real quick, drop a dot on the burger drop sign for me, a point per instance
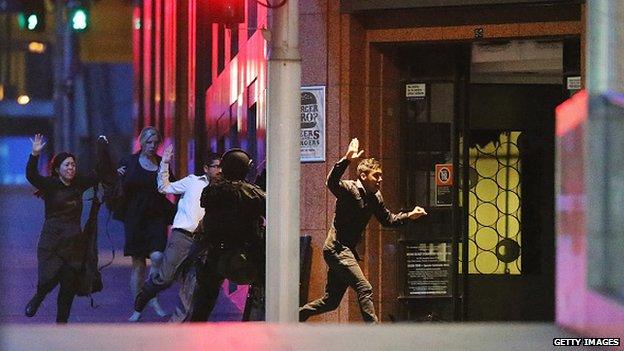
(313, 124)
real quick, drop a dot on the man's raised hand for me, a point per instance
(354, 150)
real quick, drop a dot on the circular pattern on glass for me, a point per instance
(473, 177)
(508, 202)
(507, 153)
(486, 262)
(508, 226)
(487, 214)
(472, 202)
(502, 178)
(486, 238)
(472, 251)
(487, 149)
(487, 190)
(472, 225)
(486, 167)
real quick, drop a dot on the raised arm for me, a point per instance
(333, 178)
(164, 184)
(32, 173)
(334, 184)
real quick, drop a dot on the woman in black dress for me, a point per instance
(61, 250)
(147, 213)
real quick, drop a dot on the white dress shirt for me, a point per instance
(190, 187)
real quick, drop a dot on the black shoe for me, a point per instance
(33, 305)
(303, 315)
(147, 292)
(141, 300)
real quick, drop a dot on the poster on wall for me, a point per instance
(313, 124)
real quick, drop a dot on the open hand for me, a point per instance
(167, 154)
(354, 150)
(416, 213)
(37, 144)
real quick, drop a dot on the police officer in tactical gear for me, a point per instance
(233, 232)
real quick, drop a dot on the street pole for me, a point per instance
(64, 138)
(283, 167)
(605, 46)
(603, 137)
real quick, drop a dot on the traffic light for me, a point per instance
(79, 19)
(32, 17)
(225, 11)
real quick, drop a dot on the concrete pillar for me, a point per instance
(64, 84)
(283, 149)
(605, 46)
(604, 140)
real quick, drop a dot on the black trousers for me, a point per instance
(67, 277)
(209, 281)
(343, 272)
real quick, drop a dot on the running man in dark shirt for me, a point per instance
(356, 201)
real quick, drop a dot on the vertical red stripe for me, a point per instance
(147, 62)
(136, 63)
(170, 68)
(191, 60)
(192, 99)
(158, 36)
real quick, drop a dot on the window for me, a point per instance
(233, 42)
(251, 140)
(252, 17)
(220, 48)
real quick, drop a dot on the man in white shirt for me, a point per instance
(181, 247)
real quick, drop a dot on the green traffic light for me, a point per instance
(32, 21)
(80, 19)
(21, 20)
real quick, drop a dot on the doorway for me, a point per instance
(483, 117)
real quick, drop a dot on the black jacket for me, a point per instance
(354, 208)
(234, 212)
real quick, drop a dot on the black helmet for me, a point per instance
(235, 164)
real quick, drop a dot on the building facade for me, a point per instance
(469, 86)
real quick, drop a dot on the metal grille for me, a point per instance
(494, 207)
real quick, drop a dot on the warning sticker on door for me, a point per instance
(444, 174)
(444, 184)
(415, 91)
